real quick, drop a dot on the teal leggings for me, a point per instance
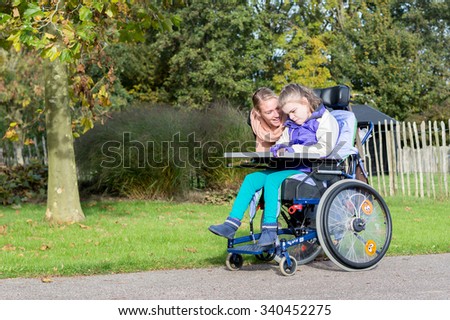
(271, 182)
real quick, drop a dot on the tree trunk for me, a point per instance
(18, 145)
(63, 200)
(18, 153)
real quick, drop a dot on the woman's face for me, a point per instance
(298, 110)
(270, 112)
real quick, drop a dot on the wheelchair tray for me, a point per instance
(268, 155)
(267, 160)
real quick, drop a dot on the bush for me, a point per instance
(150, 152)
(23, 184)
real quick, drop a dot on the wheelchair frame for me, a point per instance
(350, 221)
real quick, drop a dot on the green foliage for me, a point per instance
(21, 94)
(392, 53)
(304, 46)
(76, 33)
(305, 61)
(162, 152)
(23, 184)
(388, 63)
(217, 53)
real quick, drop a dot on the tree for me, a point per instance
(21, 97)
(430, 20)
(386, 61)
(303, 44)
(68, 34)
(222, 52)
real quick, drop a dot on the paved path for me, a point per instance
(418, 277)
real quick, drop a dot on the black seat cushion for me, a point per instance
(322, 176)
(294, 189)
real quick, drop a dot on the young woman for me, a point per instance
(266, 118)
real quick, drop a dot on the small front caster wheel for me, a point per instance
(234, 261)
(288, 270)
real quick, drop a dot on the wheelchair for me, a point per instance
(329, 210)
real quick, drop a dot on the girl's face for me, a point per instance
(298, 110)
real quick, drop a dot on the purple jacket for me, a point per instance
(305, 133)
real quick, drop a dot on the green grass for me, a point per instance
(128, 236)
(420, 225)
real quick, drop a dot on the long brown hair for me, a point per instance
(295, 91)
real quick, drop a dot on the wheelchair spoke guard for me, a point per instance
(354, 225)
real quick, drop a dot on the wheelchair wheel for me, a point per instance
(285, 269)
(266, 256)
(234, 261)
(307, 251)
(354, 225)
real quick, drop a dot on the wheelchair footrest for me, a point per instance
(249, 249)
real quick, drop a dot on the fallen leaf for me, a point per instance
(3, 229)
(46, 280)
(82, 226)
(44, 247)
(193, 250)
(8, 247)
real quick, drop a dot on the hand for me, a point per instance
(275, 149)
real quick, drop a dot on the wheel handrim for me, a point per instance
(355, 226)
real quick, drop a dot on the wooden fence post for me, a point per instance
(390, 159)
(381, 171)
(411, 139)
(406, 163)
(444, 154)
(400, 157)
(431, 158)
(438, 154)
(426, 156)
(419, 160)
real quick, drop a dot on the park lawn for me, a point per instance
(128, 236)
(420, 225)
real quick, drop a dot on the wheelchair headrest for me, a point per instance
(336, 98)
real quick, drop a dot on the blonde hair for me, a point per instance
(261, 95)
(296, 92)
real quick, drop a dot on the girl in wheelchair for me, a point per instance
(310, 129)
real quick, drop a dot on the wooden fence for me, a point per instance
(409, 159)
